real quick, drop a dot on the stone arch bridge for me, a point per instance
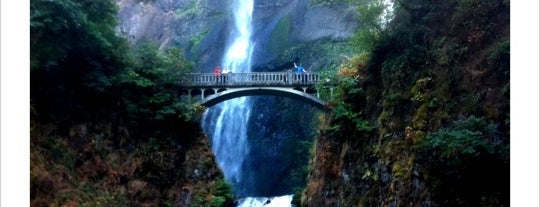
(215, 88)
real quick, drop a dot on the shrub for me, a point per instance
(465, 138)
(224, 195)
(467, 163)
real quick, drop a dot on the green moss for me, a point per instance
(391, 99)
(421, 91)
(419, 137)
(194, 9)
(369, 175)
(401, 169)
(441, 91)
(195, 42)
(328, 55)
(318, 3)
(421, 116)
(383, 118)
(280, 36)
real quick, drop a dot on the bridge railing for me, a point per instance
(250, 79)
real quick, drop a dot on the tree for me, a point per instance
(74, 53)
(374, 17)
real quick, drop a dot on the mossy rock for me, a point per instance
(280, 36)
(421, 117)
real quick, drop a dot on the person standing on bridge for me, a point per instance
(299, 70)
(217, 72)
(225, 73)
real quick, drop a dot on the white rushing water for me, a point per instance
(278, 201)
(229, 141)
(227, 122)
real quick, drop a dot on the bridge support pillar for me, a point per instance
(189, 94)
(202, 93)
(304, 89)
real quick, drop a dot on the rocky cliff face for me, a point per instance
(284, 31)
(196, 25)
(426, 122)
(98, 164)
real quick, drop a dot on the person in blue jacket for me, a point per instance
(299, 68)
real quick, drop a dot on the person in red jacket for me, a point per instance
(217, 71)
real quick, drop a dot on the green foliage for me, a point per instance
(88, 194)
(349, 78)
(195, 42)
(295, 154)
(194, 8)
(371, 16)
(297, 196)
(326, 87)
(465, 138)
(420, 92)
(74, 56)
(374, 16)
(421, 116)
(475, 12)
(432, 63)
(224, 194)
(330, 2)
(468, 160)
(148, 86)
(64, 28)
(347, 86)
(343, 111)
(348, 95)
(220, 196)
(59, 150)
(82, 72)
(477, 22)
(218, 202)
(152, 67)
(499, 60)
(79, 62)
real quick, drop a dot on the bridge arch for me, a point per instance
(216, 88)
(272, 91)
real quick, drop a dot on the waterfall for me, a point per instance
(279, 201)
(227, 122)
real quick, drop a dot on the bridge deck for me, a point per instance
(274, 79)
(215, 88)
